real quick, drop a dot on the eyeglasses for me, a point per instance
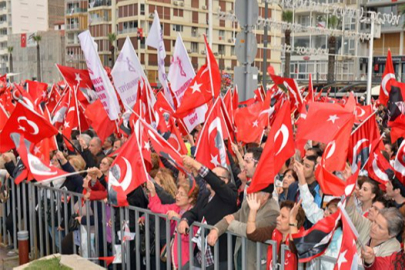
(181, 194)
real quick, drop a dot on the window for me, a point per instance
(221, 34)
(178, 12)
(178, 28)
(142, 9)
(194, 47)
(221, 49)
(194, 31)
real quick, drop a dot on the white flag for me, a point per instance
(98, 76)
(155, 40)
(181, 73)
(126, 73)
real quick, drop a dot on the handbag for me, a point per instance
(73, 223)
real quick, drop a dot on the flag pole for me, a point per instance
(362, 123)
(70, 142)
(351, 225)
(77, 109)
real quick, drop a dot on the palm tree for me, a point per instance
(333, 22)
(401, 10)
(287, 16)
(37, 38)
(10, 52)
(112, 37)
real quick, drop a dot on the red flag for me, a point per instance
(250, 121)
(360, 142)
(325, 120)
(6, 100)
(3, 117)
(205, 86)
(36, 167)
(162, 147)
(377, 165)
(60, 109)
(211, 151)
(23, 40)
(347, 258)
(235, 98)
(53, 98)
(292, 87)
(362, 113)
(175, 138)
(37, 90)
(99, 120)
(127, 172)
(276, 151)
(335, 154)
(399, 165)
(227, 99)
(387, 78)
(310, 95)
(25, 121)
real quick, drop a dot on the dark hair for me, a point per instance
(256, 152)
(292, 172)
(317, 151)
(374, 188)
(300, 214)
(334, 202)
(396, 184)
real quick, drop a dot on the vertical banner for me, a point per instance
(126, 73)
(23, 40)
(155, 40)
(98, 75)
(181, 73)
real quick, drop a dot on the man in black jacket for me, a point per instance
(213, 206)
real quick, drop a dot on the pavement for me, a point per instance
(7, 262)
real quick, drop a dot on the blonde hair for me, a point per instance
(77, 162)
(167, 181)
(186, 186)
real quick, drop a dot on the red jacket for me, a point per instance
(386, 263)
(291, 260)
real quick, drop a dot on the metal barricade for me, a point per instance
(44, 210)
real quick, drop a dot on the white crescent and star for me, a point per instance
(380, 174)
(362, 112)
(173, 137)
(127, 178)
(333, 118)
(399, 164)
(29, 122)
(331, 149)
(196, 87)
(32, 160)
(283, 130)
(384, 82)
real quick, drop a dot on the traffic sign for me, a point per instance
(247, 12)
(245, 47)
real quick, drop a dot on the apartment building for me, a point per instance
(24, 17)
(347, 49)
(189, 17)
(392, 37)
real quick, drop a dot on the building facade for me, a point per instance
(25, 17)
(189, 17)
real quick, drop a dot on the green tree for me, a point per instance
(287, 16)
(112, 37)
(37, 38)
(333, 22)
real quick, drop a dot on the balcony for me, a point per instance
(72, 41)
(75, 10)
(100, 3)
(98, 20)
(72, 26)
(3, 37)
(3, 24)
(3, 10)
(128, 30)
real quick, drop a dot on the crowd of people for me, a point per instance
(218, 197)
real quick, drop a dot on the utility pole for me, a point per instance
(264, 70)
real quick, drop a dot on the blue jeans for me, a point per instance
(57, 240)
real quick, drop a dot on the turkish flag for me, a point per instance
(175, 138)
(25, 121)
(37, 91)
(250, 121)
(163, 110)
(292, 87)
(53, 98)
(362, 113)
(35, 166)
(335, 154)
(310, 96)
(348, 257)
(211, 150)
(377, 166)
(23, 40)
(99, 120)
(387, 78)
(3, 117)
(399, 165)
(60, 109)
(205, 86)
(127, 172)
(227, 99)
(162, 147)
(235, 98)
(360, 142)
(279, 147)
(6, 100)
(25, 97)
(324, 120)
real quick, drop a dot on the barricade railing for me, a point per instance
(45, 210)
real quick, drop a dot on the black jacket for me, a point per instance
(223, 203)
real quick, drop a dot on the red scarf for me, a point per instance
(291, 261)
